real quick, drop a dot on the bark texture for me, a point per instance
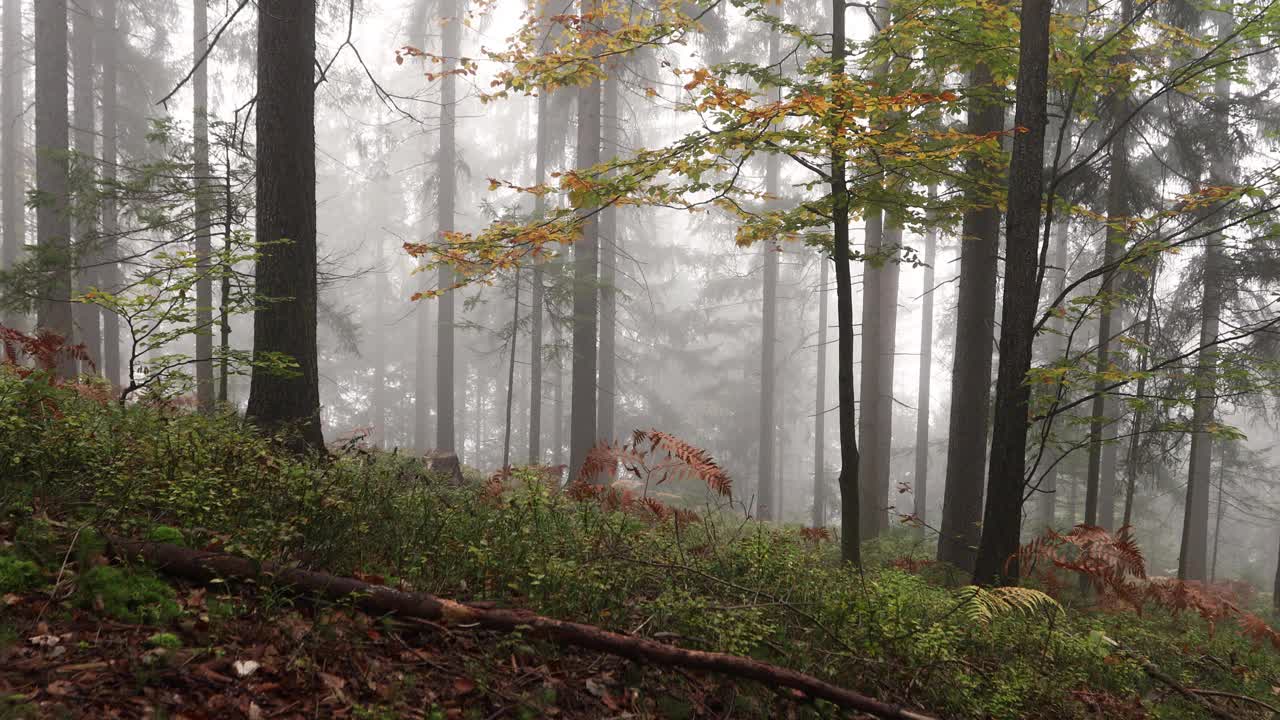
(1006, 480)
(285, 272)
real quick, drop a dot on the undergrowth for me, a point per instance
(696, 573)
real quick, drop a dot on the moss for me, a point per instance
(166, 534)
(165, 640)
(128, 596)
(18, 576)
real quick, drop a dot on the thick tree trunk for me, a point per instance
(921, 474)
(608, 232)
(850, 536)
(86, 315)
(446, 168)
(110, 271)
(53, 221)
(203, 567)
(1192, 559)
(203, 203)
(975, 332)
(286, 205)
(819, 404)
(586, 308)
(1006, 481)
(13, 100)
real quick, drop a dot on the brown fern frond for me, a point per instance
(699, 462)
(1258, 630)
(815, 535)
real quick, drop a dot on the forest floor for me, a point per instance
(84, 635)
(239, 656)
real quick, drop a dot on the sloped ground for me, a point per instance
(254, 656)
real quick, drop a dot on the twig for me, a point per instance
(1233, 696)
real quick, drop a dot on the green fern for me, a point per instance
(982, 605)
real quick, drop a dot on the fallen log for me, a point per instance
(205, 567)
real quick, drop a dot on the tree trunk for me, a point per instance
(446, 168)
(850, 536)
(608, 239)
(286, 205)
(975, 332)
(1002, 518)
(224, 297)
(921, 475)
(511, 373)
(86, 315)
(557, 435)
(1217, 525)
(13, 100)
(766, 438)
(378, 394)
(1192, 560)
(1135, 428)
(543, 150)
(203, 220)
(53, 221)
(1275, 587)
(1100, 491)
(819, 405)
(1057, 345)
(110, 270)
(582, 416)
(422, 374)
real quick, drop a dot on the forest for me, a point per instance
(479, 359)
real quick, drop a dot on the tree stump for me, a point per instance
(446, 464)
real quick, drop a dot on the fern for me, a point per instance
(1114, 566)
(655, 456)
(983, 605)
